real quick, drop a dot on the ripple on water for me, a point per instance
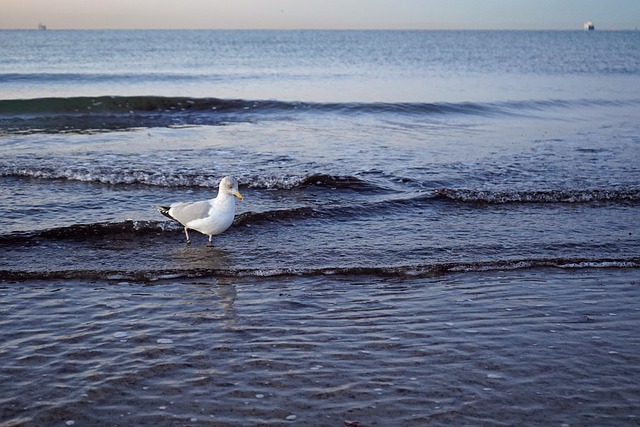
(440, 351)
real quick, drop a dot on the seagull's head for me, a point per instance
(229, 185)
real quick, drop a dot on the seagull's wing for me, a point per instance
(187, 212)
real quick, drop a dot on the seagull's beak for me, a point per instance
(238, 195)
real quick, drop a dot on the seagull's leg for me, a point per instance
(186, 232)
(210, 242)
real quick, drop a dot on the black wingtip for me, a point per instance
(164, 210)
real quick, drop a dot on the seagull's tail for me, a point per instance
(164, 210)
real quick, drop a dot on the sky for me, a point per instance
(320, 14)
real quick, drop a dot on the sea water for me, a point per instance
(374, 165)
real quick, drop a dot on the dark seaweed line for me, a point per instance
(419, 271)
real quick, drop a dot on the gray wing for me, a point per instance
(186, 212)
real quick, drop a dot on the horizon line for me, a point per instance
(315, 29)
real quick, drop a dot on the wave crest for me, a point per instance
(81, 114)
(159, 178)
(93, 230)
(415, 271)
(539, 196)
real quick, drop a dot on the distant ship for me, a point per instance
(588, 26)
(42, 27)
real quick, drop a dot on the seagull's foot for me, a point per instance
(209, 245)
(188, 242)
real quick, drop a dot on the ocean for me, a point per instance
(438, 228)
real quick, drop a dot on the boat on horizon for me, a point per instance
(588, 26)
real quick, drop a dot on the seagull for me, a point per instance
(210, 217)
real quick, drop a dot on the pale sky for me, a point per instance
(319, 14)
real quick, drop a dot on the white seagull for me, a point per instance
(210, 217)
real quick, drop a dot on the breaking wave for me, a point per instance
(539, 196)
(158, 178)
(198, 179)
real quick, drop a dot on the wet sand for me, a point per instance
(526, 347)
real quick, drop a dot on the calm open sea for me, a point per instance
(439, 228)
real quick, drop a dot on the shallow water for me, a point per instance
(535, 347)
